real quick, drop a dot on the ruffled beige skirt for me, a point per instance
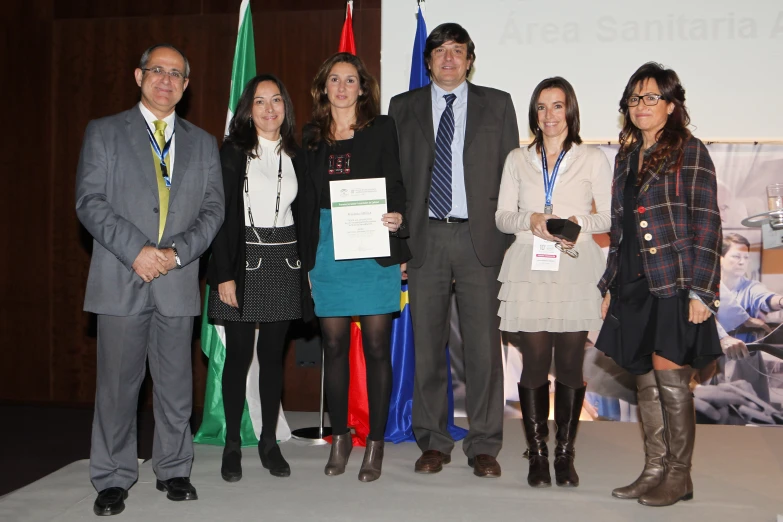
(542, 301)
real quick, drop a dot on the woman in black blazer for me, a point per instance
(254, 273)
(348, 139)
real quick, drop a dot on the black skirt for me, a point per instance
(272, 281)
(638, 324)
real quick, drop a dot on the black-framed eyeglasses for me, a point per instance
(161, 72)
(647, 99)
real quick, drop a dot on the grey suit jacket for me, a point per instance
(117, 202)
(490, 134)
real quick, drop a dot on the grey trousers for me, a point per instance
(124, 345)
(450, 255)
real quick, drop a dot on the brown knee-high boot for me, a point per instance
(679, 420)
(535, 410)
(651, 419)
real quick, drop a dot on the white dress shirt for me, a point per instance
(459, 200)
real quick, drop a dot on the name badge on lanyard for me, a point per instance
(161, 154)
(546, 256)
(549, 181)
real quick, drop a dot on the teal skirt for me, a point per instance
(353, 286)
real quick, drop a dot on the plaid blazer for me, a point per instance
(678, 226)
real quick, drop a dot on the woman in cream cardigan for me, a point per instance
(552, 300)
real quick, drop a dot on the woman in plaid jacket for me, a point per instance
(661, 282)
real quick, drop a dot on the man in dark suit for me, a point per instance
(454, 138)
(151, 218)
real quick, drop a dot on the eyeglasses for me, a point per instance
(160, 73)
(570, 251)
(648, 99)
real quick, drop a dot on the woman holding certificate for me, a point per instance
(254, 272)
(348, 140)
(662, 275)
(548, 291)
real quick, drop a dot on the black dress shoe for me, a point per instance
(274, 461)
(110, 502)
(178, 488)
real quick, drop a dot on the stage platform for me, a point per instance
(738, 477)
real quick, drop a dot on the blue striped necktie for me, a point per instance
(440, 189)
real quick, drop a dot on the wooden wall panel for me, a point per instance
(64, 9)
(80, 56)
(25, 216)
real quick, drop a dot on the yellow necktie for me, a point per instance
(163, 191)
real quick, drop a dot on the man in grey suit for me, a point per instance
(151, 218)
(454, 138)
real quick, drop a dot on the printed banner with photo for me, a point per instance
(747, 390)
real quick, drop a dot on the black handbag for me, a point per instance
(563, 229)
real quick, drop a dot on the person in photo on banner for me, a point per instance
(255, 273)
(454, 137)
(348, 139)
(739, 393)
(662, 276)
(148, 190)
(552, 304)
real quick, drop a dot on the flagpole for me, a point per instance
(314, 435)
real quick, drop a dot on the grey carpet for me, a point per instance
(738, 477)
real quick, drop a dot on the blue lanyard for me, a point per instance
(549, 182)
(161, 154)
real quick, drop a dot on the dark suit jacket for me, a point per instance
(229, 250)
(490, 134)
(375, 154)
(680, 211)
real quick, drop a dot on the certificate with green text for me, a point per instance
(358, 206)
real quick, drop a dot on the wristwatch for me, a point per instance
(176, 256)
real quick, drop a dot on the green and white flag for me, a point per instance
(244, 60)
(213, 336)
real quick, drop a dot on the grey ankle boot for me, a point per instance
(338, 458)
(373, 459)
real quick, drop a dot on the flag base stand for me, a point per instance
(314, 436)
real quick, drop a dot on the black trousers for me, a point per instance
(239, 354)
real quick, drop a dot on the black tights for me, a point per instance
(376, 340)
(536, 350)
(239, 355)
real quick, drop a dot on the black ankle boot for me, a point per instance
(568, 406)
(535, 410)
(273, 460)
(231, 469)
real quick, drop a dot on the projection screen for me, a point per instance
(727, 53)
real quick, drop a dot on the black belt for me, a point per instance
(450, 219)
